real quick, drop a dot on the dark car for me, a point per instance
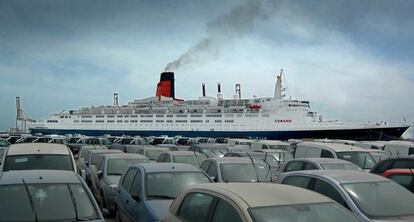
(406, 162)
(146, 190)
(109, 170)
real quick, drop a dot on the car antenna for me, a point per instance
(254, 165)
(30, 199)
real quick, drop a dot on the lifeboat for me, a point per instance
(255, 106)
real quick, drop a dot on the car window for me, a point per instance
(403, 164)
(136, 185)
(99, 165)
(383, 166)
(129, 178)
(212, 171)
(299, 181)
(411, 151)
(38, 162)
(161, 158)
(310, 166)
(328, 190)
(403, 180)
(326, 154)
(204, 166)
(224, 212)
(293, 166)
(167, 158)
(195, 207)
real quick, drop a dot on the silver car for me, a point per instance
(109, 170)
(46, 195)
(254, 202)
(368, 196)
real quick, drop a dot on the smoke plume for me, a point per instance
(220, 32)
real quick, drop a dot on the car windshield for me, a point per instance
(38, 162)
(362, 159)
(193, 160)
(46, 202)
(156, 183)
(244, 172)
(340, 166)
(119, 166)
(280, 147)
(320, 212)
(153, 154)
(381, 199)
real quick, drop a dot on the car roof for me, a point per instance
(342, 176)
(38, 148)
(394, 171)
(337, 147)
(38, 176)
(265, 194)
(167, 167)
(124, 156)
(400, 142)
(322, 160)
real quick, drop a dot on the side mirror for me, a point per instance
(86, 163)
(213, 178)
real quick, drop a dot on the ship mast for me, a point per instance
(278, 88)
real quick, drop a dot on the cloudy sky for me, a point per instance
(354, 60)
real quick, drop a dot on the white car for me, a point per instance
(38, 156)
(235, 202)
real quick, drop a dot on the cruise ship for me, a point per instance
(267, 117)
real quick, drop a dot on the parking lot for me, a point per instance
(146, 174)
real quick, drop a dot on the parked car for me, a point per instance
(187, 157)
(399, 148)
(4, 143)
(46, 195)
(269, 158)
(370, 197)
(356, 155)
(406, 162)
(147, 190)
(75, 143)
(37, 156)
(379, 155)
(109, 170)
(98, 141)
(236, 169)
(372, 145)
(89, 166)
(235, 202)
(317, 164)
(404, 177)
(124, 143)
(80, 157)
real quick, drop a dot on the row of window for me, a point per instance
(170, 116)
(149, 121)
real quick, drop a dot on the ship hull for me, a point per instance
(378, 133)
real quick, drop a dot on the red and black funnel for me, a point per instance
(166, 86)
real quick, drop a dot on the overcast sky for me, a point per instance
(354, 60)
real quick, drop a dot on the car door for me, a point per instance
(137, 209)
(124, 198)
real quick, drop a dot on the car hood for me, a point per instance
(114, 179)
(160, 207)
(395, 219)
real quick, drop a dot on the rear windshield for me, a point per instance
(45, 202)
(38, 162)
(362, 159)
